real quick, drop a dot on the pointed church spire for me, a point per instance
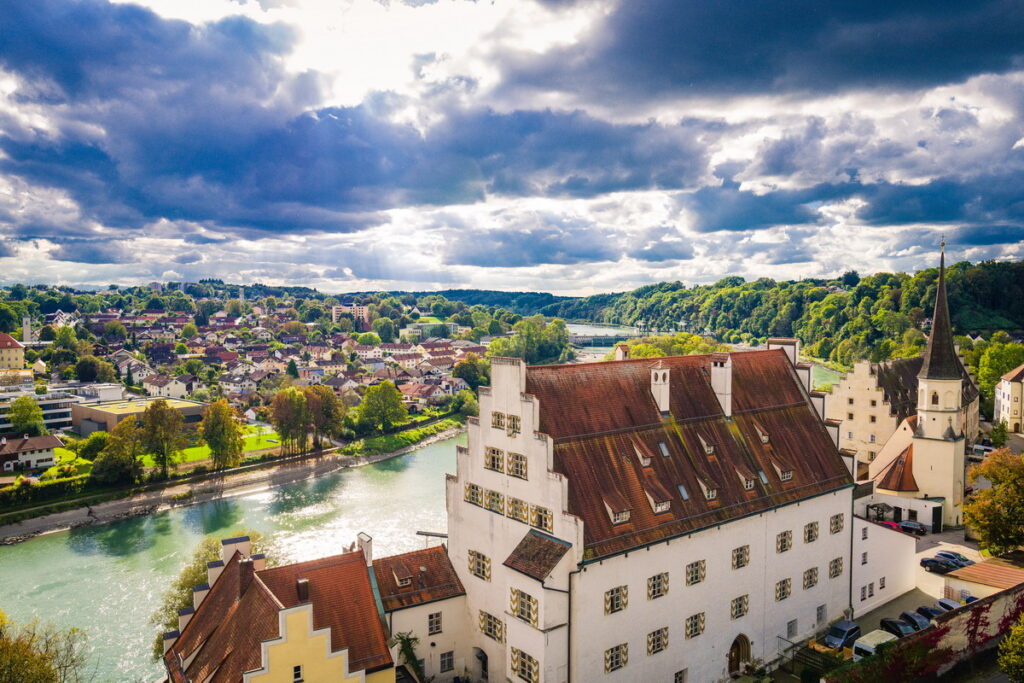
(940, 359)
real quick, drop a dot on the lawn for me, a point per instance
(427, 319)
(63, 456)
(253, 442)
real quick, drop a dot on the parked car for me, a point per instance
(865, 647)
(948, 604)
(955, 557)
(969, 599)
(912, 527)
(938, 565)
(891, 525)
(842, 635)
(897, 627)
(928, 612)
(916, 620)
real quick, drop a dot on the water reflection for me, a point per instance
(113, 540)
(213, 516)
(294, 497)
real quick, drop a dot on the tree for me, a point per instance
(90, 446)
(26, 417)
(162, 433)
(118, 462)
(221, 432)
(293, 369)
(996, 514)
(326, 411)
(385, 329)
(1011, 653)
(465, 403)
(382, 407)
(87, 368)
(41, 653)
(233, 308)
(1000, 434)
(179, 594)
(115, 331)
(474, 370)
(368, 339)
(189, 331)
(290, 416)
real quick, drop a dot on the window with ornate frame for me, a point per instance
(657, 586)
(616, 657)
(835, 568)
(657, 640)
(492, 627)
(810, 532)
(512, 425)
(783, 541)
(616, 599)
(835, 523)
(518, 510)
(810, 578)
(479, 565)
(517, 465)
(783, 589)
(496, 502)
(526, 667)
(497, 420)
(739, 606)
(695, 572)
(740, 557)
(474, 494)
(494, 459)
(695, 625)
(541, 518)
(523, 606)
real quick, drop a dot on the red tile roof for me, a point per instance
(343, 600)
(899, 474)
(1015, 375)
(537, 554)
(598, 414)
(1001, 572)
(12, 445)
(9, 342)
(438, 582)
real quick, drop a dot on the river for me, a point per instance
(106, 580)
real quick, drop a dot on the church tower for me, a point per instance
(939, 441)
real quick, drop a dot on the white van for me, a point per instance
(866, 645)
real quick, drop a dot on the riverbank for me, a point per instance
(213, 488)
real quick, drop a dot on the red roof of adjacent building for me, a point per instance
(537, 554)
(899, 474)
(9, 342)
(1005, 571)
(432, 577)
(11, 446)
(1015, 375)
(600, 414)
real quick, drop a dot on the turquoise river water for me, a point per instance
(106, 580)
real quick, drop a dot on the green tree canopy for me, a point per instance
(326, 411)
(474, 370)
(221, 432)
(1011, 653)
(535, 340)
(368, 339)
(41, 653)
(996, 514)
(26, 417)
(162, 433)
(118, 463)
(382, 407)
(289, 414)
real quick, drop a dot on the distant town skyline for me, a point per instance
(542, 145)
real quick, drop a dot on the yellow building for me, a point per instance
(12, 353)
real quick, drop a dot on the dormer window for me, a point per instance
(403, 583)
(616, 508)
(709, 448)
(620, 517)
(658, 498)
(786, 475)
(645, 460)
(710, 492)
(663, 506)
(761, 433)
(748, 483)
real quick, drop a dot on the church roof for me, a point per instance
(940, 359)
(600, 415)
(897, 378)
(899, 474)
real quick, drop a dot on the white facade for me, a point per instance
(570, 643)
(449, 647)
(1009, 396)
(883, 565)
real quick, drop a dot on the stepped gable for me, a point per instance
(226, 630)
(438, 582)
(899, 474)
(603, 418)
(940, 359)
(343, 601)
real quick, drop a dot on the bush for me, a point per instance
(23, 491)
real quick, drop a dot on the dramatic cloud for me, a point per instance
(556, 144)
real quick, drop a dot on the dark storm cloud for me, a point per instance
(651, 245)
(92, 252)
(547, 239)
(6, 249)
(665, 48)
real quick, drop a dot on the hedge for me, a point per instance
(38, 492)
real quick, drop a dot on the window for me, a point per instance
(616, 599)
(518, 510)
(835, 568)
(881, 583)
(492, 627)
(540, 518)
(822, 614)
(783, 589)
(523, 605)
(872, 419)
(479, 565)
(297, 673)
(494, 459)
(683, 492)
(525, 666)
(663, 448)
(935, 398)
(657, 640)
(811, 578)
(498, 420)
(447, 661)
(512, 425)
(786, 475)
(849, 401)
(434, 623)
(863, 593)
(517, 465)
(810, 532)
(695, 572)
(620, 517)
(791, 629)
(783, 541)
(740, 556)
(874, 403)
(616, 657)
(871, 589)
(835, 523)
(496, 502)
(681, 676)
(739, 606)
(662, 506)
(864, 533)
(695, 625)
(864, 558)
(849, 416)
(871, 438)
(474, 494)
(657, 586)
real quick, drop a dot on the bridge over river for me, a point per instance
(600, 340)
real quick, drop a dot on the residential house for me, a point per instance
(12, 353)
(421, 394)
(1009, 396)
(27, 452)
(167, 386)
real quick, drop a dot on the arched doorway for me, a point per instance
(739, 653)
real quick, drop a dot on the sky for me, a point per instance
(548, 145)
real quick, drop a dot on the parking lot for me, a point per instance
(929, 586)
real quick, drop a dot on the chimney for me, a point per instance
(660, 387)
(366, 545)
(622, 352)
(246, 570)
(259, 561)
(302, 587)
(721, 380)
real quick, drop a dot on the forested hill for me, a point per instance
(876, 317)
(523, 303)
